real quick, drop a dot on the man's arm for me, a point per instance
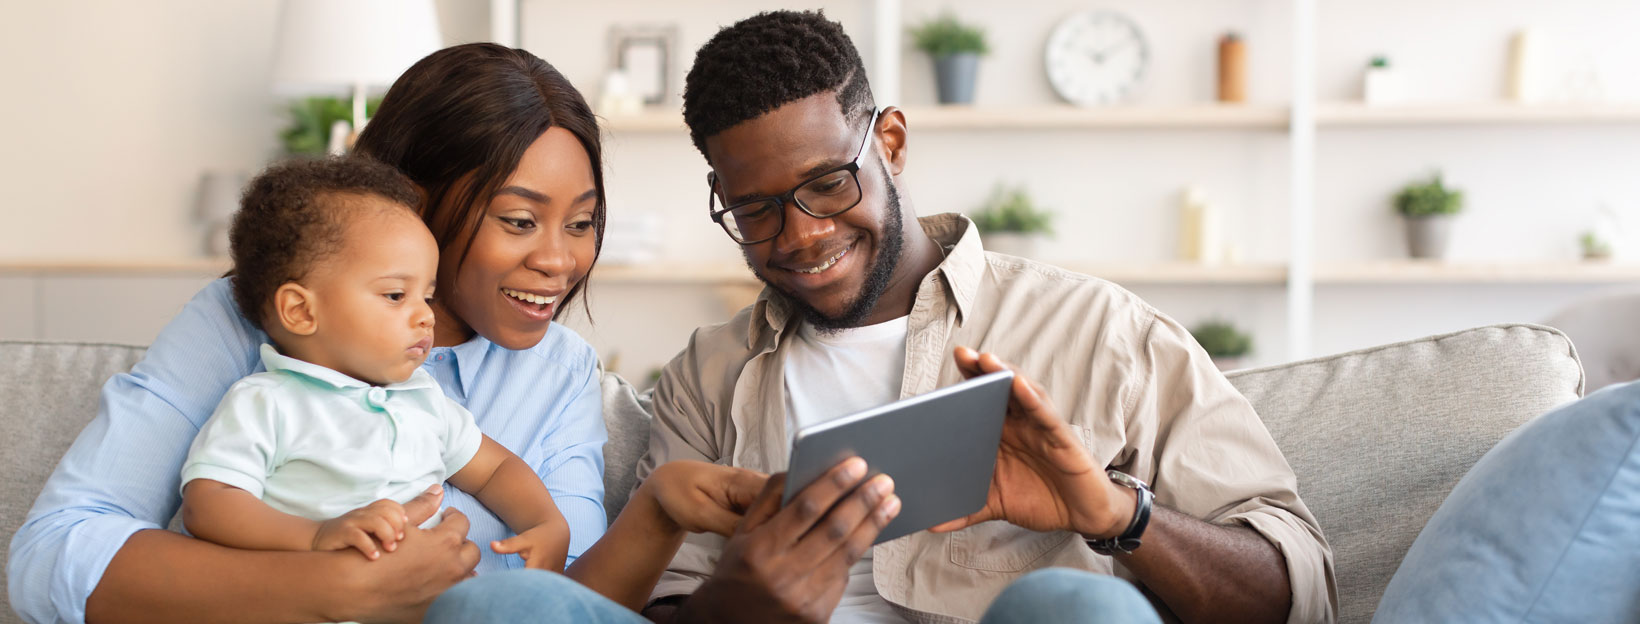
(1046, 480)
(1204, 572)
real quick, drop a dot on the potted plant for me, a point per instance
(1224, 343)
(1595, 248)
(1010, 222)
(1428, 208)
(312, 119)
(955, 48)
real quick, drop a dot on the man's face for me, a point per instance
(834, 268)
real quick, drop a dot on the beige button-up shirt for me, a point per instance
(1136, 387)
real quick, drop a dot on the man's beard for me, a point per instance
(877, 279)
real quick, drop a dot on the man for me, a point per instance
(865, 303)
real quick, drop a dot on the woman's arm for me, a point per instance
(160, 576)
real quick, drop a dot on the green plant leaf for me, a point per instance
(944, 36)
(1010, 209)
(1221, 339)
(1428, 198)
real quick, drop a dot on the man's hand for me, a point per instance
(544, 546)
(400, 587)
(383, 520)
(791, 564)
(1044, 480)
(699, 497)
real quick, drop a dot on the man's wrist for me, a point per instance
(1121, 503)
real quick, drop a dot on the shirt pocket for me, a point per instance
(997, 546)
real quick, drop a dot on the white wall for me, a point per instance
(118, 107)
(115, 109)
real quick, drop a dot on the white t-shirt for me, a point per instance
(832, 375)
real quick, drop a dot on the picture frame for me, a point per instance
(645, 53)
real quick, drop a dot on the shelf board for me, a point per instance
(112, 266)
(1355, 114)
(720, 274)
(1203, 116)
(1503, 273)
(1186, 274)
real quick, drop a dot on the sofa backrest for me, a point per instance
(1378, 437)
(48, 392)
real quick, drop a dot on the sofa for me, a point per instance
(1377, 437)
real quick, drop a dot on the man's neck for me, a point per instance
(922, 255)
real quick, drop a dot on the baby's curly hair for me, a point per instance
(766, 61)
(290, 218)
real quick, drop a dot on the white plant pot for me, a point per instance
(1012, 243)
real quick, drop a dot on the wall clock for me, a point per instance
(1096, 58)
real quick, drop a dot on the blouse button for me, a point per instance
(377, 397)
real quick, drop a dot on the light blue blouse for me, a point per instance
(123, 472)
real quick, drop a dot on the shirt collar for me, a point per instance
(469, 358)
(963, 267)
(273, 360)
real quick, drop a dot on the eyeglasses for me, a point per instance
(823, 196)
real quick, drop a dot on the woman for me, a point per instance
(507, 153)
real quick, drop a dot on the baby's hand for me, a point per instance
(543, 547)
(383, 519)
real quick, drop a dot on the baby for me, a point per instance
(320, 451)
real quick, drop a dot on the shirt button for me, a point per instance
(439, 358)
(376, 397)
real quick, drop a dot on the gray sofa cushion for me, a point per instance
(1378, 437)
(48, 392)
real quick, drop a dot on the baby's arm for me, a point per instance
(229, 516)
(507, 486)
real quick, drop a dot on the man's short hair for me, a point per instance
(293, 216)
(766, 61)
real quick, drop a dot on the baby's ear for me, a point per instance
(294, 306)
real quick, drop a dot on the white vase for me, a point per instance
(1012, 243)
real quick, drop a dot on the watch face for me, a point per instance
(1096, 57)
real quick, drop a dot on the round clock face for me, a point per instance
(1096, 57)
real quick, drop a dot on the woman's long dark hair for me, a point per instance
(474, 109)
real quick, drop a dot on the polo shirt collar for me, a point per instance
(273, 360)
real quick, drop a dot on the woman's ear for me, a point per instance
(294, 306)
(891, 127)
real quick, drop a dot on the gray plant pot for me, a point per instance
(954, 75)
(1012, 243)
(1427, 236)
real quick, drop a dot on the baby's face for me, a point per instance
(372, 296)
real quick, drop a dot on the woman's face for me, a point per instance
(535, 241)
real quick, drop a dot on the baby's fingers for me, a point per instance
(358, 539)
(510, 546)
(384, 532)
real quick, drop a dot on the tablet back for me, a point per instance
(940, 448)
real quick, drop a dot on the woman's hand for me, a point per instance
(1045, 480)
(699, 497)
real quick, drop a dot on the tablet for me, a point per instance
(940, 448)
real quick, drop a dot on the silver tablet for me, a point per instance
(939, 447)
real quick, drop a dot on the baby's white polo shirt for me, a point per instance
(315, 443)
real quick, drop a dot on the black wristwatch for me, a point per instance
(1128, 541)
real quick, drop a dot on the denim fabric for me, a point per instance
(525, 596)
(1063, 595)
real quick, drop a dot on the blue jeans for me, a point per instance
(1051, 596)
(1063, 595)
(526, 596)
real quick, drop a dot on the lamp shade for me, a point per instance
(332, 46)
